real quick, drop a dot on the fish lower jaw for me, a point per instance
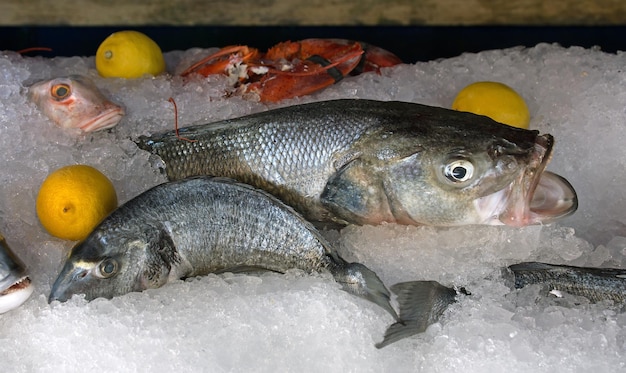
(497, 209)
(15, 295)
(551, 199)
(103, 121)
(489, 208)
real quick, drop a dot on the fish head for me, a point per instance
(446, 168)
(115, 261)
(75, 102)
(482, 172)
(15, 285)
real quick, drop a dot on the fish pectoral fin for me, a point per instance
(421, 303)
(355, 193)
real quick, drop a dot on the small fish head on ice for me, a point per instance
(75, 102)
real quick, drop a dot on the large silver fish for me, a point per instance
(596, 284)
(75, 102)
(368, 162)
(208, 225)
(15, 285)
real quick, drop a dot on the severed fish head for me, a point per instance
(452, 169)
(75, 102)
(15, 285)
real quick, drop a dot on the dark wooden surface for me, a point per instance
(312, 12)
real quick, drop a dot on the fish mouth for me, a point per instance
(536, 196)
(107, 119)
(67, 282)
(18, 285)
(16, 294)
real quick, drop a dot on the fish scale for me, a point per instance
(270, 154)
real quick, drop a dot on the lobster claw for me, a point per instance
(291, 69)
(374, 58)
(222, 61)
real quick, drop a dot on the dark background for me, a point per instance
(411, 44)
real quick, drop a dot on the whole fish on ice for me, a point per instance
(15, 285)
(208, 225)
(596, 284)
(368, 162)
(75, 102)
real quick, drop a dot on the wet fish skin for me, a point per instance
(595, 284)
(205, 225)
(75, 102)
(368, 162)
(15, 285)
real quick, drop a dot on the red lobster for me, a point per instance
(292, 69)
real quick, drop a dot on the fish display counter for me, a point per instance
(302, 319)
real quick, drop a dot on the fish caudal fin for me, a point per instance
(359, 280)
(421, 303)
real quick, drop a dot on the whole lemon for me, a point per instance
(129, 54)
(73, 200)
(495, 100)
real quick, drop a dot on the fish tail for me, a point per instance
(359, 280)
(421, 303)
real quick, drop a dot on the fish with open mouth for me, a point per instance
(595, 284)
(75, 102)
(205, 225)
(15, 285)
(356, 161)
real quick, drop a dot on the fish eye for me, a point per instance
(459, 170)
(60, 91)
(107, 268)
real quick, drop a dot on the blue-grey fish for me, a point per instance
(595, 284)
(208, 225)
(15, 285)
(368, 162)
(75, 102)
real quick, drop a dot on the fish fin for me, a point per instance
(421, 303)
(359, 280)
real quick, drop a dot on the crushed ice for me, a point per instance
(305, 323)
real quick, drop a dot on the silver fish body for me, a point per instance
(368, 162)
(75, 102)
(595, 284)
(205, 225)
(15, 285)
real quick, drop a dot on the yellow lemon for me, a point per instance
(73, 200)
(495, 100)
(129, 54)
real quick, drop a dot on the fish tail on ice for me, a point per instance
(421, 303)
(359, 280)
